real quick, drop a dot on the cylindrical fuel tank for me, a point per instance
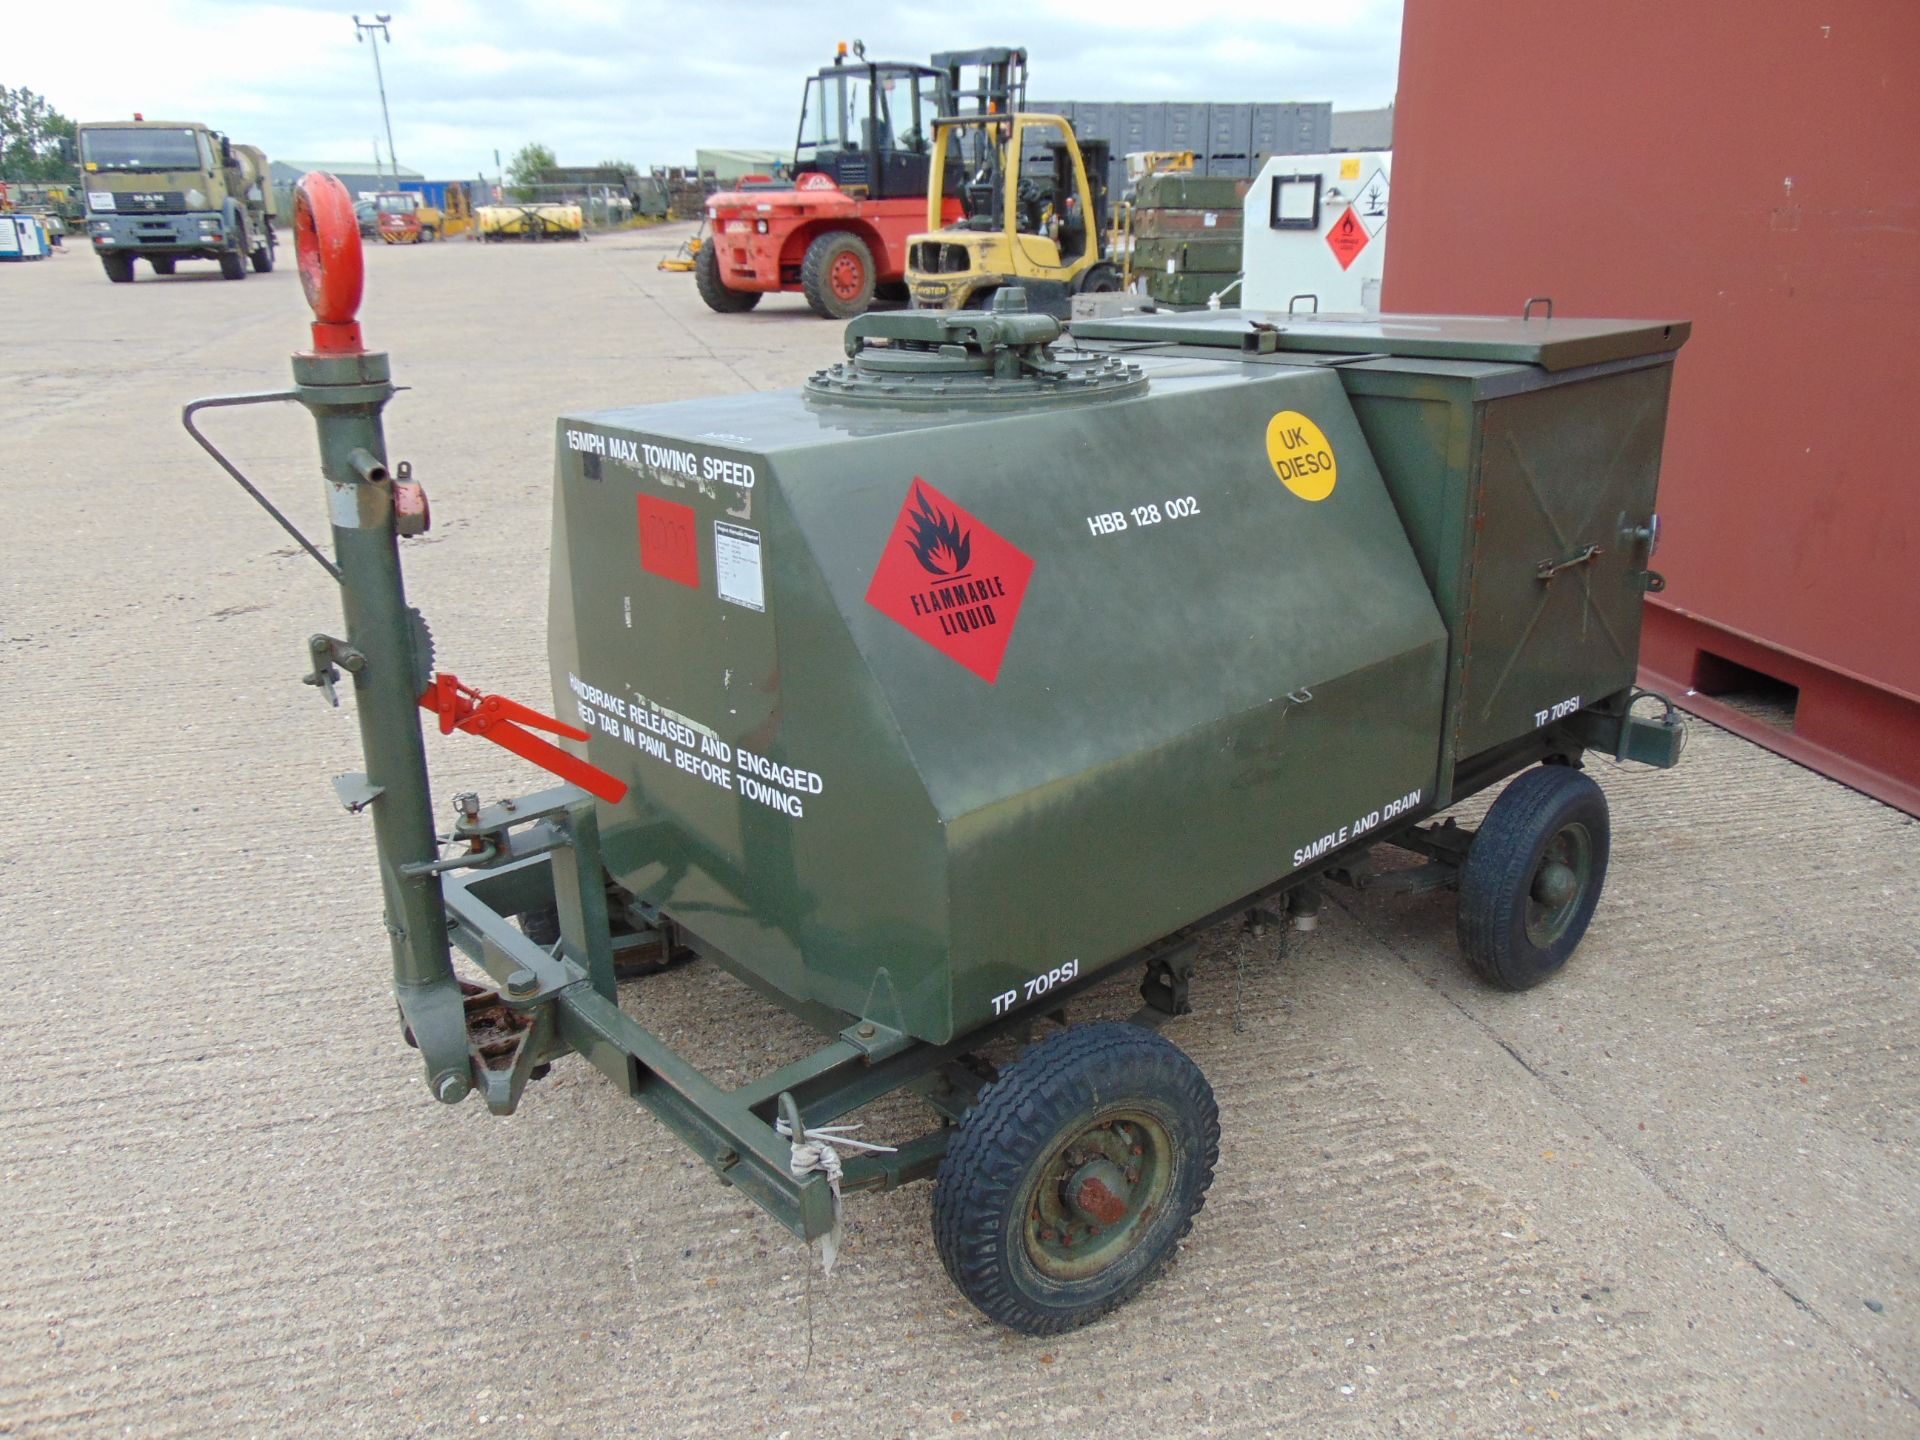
(250, 168)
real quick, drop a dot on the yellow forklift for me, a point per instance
(1035, 215)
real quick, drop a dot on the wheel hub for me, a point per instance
(1098, 1192)
(848, 276)
(1097, 1195)
(1555, 884)
(1559, 882)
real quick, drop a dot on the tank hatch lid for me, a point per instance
(1540, 340)
(930, 359)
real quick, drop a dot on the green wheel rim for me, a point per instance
(1559, 883)
(1097, 1194)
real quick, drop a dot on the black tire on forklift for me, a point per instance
(119, 268)
(162, 264)
(1075, 1175)
(1100, 279)
(1533, 876)
(713, 290)
(233, 262)
(837, 275)
(263, 255)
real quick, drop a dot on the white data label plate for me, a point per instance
(736, 565)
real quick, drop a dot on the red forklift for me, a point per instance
(837, 229)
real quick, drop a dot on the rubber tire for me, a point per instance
(1061, 1085)
(1498, 876)
(817, 267)
(713, 290)
(428, 234)
(163, 264)
(1099, 279)
(233, 264)
(263, 257)
(119, 268)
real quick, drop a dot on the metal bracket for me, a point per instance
(356, 792)
(1168, 984)
(874, 1040)
(328, 657)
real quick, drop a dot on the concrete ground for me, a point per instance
(1675, 1192)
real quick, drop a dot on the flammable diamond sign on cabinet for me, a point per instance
(952, 581)
(931, 692)
(1347, 238)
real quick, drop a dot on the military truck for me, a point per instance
(171, 191)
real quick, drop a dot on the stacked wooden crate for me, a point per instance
(1186, 235)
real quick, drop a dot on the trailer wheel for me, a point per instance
(713, 290)
(837, 275)
(119, 268)
(1533, 876)
(1074, 1177)
(162, 264)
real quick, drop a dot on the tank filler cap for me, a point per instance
(923, 359)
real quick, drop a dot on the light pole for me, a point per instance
(377, 28)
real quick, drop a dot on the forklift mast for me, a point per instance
(997, 84)
(869, 124)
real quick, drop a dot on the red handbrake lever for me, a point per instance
(496, 718)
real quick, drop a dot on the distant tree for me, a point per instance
(523, 170)
(625, 167)
(31, 132)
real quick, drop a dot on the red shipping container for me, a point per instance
(1753, 168)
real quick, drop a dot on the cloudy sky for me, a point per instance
(640, 79)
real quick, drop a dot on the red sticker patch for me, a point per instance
(951, 581)
(670, 540)
(1347, 238)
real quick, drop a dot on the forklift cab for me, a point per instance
(869, 126)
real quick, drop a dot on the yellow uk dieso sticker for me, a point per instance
(1302, 456)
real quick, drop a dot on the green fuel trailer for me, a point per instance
(926, 694)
